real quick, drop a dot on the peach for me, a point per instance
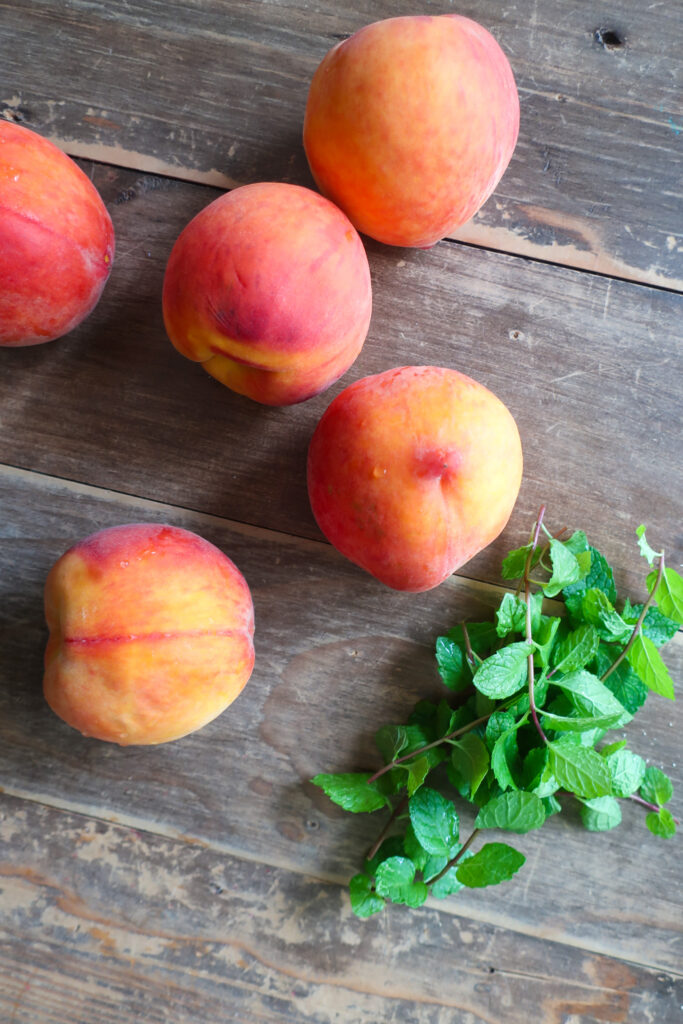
(268, 288)
(151, 634)
(410, 124)
(56, 240)
(413, 471)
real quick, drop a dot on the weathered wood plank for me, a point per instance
(103, 923)
(591, 369)
(336, 655)
(215, 92)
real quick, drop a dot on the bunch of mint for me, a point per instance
(536, 695)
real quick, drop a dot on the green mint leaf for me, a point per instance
(495, 862)
(393, 846)
(417, 773)
(515, 811)
(511, 614)
(351, 791)
(645, 549)
(577, 723)
(435, 822)
(470, 761)
(600, 814)
(669, 594)
(656, 787)
(452, 664)
(390, 740)
(611, 748)
(481, 635)
(551, 805)
(413, 849)
(395, 881)
(647, 663)
(566, 568)
(598, 610)
(364, 900)
(448, 885)
(627, 771)
(498, 723)
(662, 823)
(657, 627)
(577, 543)
(591, 697)
(600, 576)
(581, 770)
(622, 682)
(504, 672)
(577, 649)
(515, 562)
(505, 759)
(545, 637)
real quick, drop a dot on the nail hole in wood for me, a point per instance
(608, 38)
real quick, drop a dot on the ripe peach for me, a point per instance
(269, 288)
(410, 124)
(413, 471)
(56, 240)
(150, 634)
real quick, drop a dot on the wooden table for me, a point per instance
(202, 881)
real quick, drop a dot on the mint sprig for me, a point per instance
(532, 700)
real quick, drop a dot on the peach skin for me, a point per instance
(56, 240)
(413, 471)
(269, 289)
(151, 633)
(410, 124)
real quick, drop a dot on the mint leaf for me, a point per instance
(390, 740)
(656, 787)
(611, 748)
(577, 723)
(581, 770)
(470, 761)
(498, 723)
(504, 672)
(417, 773)
(495, 862)
(351, 791)
(393, 846)
(551, 805)
(435, 822)
(591, 697)
(648, 665)
(645, 549)
(669, 594)
(395, 881)
(659, 628)
(452, 664)
(481, 635)
(577, 649)
(544, 638)
(505, 758)
(600, 577)
(577, 543)
(566, 568)
(627, 771)
(511, 614)
(662, 823)
(599, 611)
(448, 885)
(600, 814)
(515, 562)
(364, 901)
(515, 811)
(622, 682)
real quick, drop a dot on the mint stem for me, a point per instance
(398, 809)
(454, 860)
(527, 600)
(429, 746)
(639, 623)
(650, 807)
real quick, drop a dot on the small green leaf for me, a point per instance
(481, 635)
(511, 614)
(661, 823)
(395, 881)
(505, 758)
(590, 696)
(364, 900)
(611, 748)
(645, 549)
(393, 846)
(504, 672)
(390, 740)
(498, 723)
(622, 682)
(577, 723)
(452, 663)
(600, 577)
(495, 862)
(448, 885)
(577, 649)
(566, 568)
(599, 611)
(545, 637)
(551, 805)
(577, 543)
(515, 562)
(656, 787)
(417, 773)
(435, 822)
(657, 627)
(581, 770)
(515, 811)
(627, 771)
(600, 814)
(470, 760)
(647, 663)
(351, 791)
(669, 594)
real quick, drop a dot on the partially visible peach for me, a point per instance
(151, 634)
(56, 240)
(269, 288)
(410, 124)
(413, 471)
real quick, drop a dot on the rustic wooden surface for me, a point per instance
(202, 880)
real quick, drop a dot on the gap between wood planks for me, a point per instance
(473, 235)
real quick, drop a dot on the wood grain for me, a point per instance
(336, 656)
(104, 923)
(215, 92)
(590, 368)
